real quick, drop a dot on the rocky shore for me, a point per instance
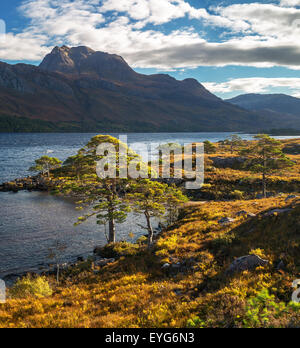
(94, 261)
(30, 183)
(41, 183)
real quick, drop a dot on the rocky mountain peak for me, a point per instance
(83, 60)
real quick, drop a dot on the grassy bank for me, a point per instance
(137, 291)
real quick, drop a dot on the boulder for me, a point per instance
(226, 221)
(250, 215)
(245, 214)
(278, 211)
(228, 162)
(292, 149)
(166, 265)
(103, 262)
(281, 266)
(246, 263)
(98, 249)
(289, 198)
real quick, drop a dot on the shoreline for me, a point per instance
(30, 183)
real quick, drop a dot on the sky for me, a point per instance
(232, 47)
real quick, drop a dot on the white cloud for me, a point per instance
(257, 84)
(24, 46)
(262, 35)
(154, 11)
(269, 21)
(290, 3)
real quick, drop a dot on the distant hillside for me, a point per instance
(78, 89)
(271, 104)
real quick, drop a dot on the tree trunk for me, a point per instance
(57, 273)
(264, 186)
(264, 176)
(112, 225)
(150, 230)
(112, 231)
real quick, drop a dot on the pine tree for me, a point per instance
(235, 142)
(266, 157)
(102, 193)
(209, 147)
(153, 199)
(45, 164)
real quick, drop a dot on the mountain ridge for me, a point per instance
(278, 103)
(79, 89)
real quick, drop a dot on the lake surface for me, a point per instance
(30, 223)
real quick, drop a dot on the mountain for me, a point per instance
(271, 104)
(79, 89)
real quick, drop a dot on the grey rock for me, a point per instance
(251, 215)
(245, 213)
(278, 211)
(226, 221)
(104, 262)
(166, 265)
(98, 249)
(246, 263)
(291, 197)
(280, 266)
(227, 162)
(176, 265)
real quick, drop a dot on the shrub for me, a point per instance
(209, 147)
(264, 311)
(31, 287)
(237, 194)
(196, 322)
(114, 250)
(142, 241)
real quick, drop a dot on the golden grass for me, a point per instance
(136, 291)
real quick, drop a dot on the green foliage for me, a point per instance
(45, 164)
(31, 287)
(104, 194)
(262, 310)
(196, 323)
(237, 194)
(266, 157)
(153, 199)
(209, 147)
(13, 124)
(118, 249)
(78, 165)
(165, 148)
(235, 142)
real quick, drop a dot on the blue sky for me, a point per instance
(231, 46)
